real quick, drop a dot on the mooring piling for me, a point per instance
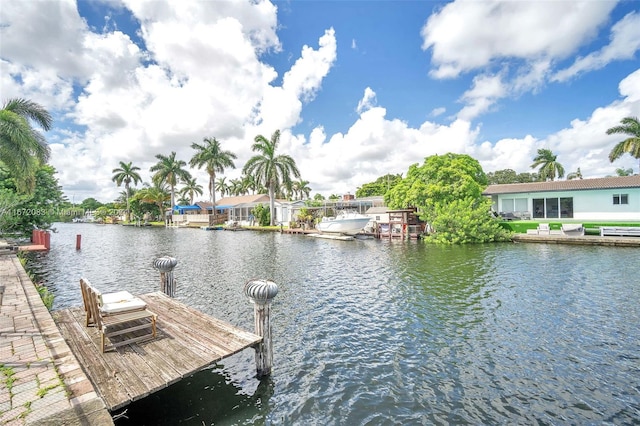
(261, 292)
(165, 265)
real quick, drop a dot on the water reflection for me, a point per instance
(379, 332)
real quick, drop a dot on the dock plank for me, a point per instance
(187, 341)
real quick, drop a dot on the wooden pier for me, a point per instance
(187, 341)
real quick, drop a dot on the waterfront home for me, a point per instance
(598, 199)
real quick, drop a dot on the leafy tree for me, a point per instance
(549, 168)
(90, 204)
(318, 197)
(447, 190)
(624, 172)
(527, 177)
(214, 158)
(262, 214)
(22, 148)
(334, 197)
(236, 187)
(156, 196)
(630, 126)
(169, 170)
(270, 169)
(575, 175)
(126, 174)
(191, 188)
(379, 187)
(502, 176)
(24, 212)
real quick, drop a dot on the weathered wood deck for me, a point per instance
(187, 341)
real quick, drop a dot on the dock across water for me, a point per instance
(187, 341)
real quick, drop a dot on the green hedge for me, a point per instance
(593, 228)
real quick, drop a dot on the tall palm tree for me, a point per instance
(191, 188)
(549, 168)
(236, 187)
(170, 170)
(22, 148)
(271, 170)
(126, 174)
(221, 186)
(630, 126)
(301, 189)
(215, 159)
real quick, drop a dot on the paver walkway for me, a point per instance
(41, 382)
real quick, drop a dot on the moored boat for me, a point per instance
(348, 223)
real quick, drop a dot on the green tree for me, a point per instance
(190, 189)
(38, 209)
(301, 189)
(624, 172)
(90, 204)
(549, 168)
(318, 197)
(22, 148)
(379, 187)
(527, 177)
(261, 213)
(575, 175)
(271, 170)
(170, 171)
(126, 174)
(215, 159)
(222, 187)
(156, 196)
(447, 190)
(630, 126)
(500, 177)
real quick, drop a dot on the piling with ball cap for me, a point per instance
(261, 292)
(165, 265)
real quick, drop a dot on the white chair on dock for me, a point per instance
(116, 314)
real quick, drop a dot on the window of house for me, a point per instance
(552, 207)
(566, 207)
(620, 198)
(538, 207)
(507, 205)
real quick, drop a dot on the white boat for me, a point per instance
(348, 223)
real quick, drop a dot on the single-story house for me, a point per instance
(597, 199)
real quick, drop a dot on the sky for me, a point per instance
(357, 88)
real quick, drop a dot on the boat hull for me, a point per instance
(347, 226)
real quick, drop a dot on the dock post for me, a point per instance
(165, 265)
(261, 293)
(78, 241)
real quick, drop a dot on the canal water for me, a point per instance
(385, 333)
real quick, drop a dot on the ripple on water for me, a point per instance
(379, 332)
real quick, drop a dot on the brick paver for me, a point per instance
(41, 382)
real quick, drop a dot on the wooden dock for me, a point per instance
(587, 240)
(187, 341)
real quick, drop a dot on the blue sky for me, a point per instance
(358, 88)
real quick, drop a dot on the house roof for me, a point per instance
(243, 199)
(565, 185)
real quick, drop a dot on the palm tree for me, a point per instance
(170, 170)
(236, 187)
(271, 170)
(301, 189)
(191, 188)
(126, 174)
(221, 186)
(214, 159)
(630, 126)
(549, 167)
(22, 148)
(156, 194)
(575, 175)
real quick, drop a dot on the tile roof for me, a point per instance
(565, 185)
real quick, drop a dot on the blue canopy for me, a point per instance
(182, 209)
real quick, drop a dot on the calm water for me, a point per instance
(384, 333)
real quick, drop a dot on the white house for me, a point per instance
(608, 199)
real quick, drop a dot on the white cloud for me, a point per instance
(438, 111)
(367, 102)
(625, 42)
(467, 35)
